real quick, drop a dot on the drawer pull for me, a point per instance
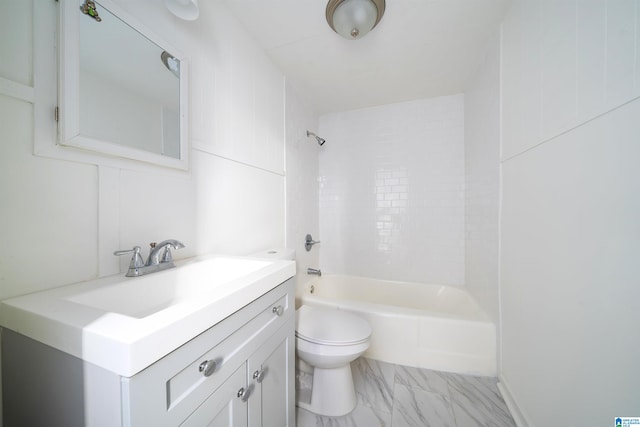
(259, 375)
(278, 310)
(208, 367)
(244, 393)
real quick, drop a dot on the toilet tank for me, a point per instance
(276, 253)
(286, 254)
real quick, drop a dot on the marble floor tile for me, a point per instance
(373, 381)
(414, 407)
(400, 396)
(424, 379)
(304, 382)
(362, 416)
(305, 418)
(477, 402)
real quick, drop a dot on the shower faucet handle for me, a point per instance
(309, 242)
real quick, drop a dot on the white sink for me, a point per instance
(158, 291)
(125, 324)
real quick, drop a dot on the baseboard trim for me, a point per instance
(518, 416)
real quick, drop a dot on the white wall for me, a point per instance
(570, 293)
(302, 182)
(62, 220)
(482, 180)
(392, 191)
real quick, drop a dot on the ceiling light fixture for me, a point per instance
(352, 19)
(183, 9)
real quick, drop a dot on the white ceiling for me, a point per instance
(420, 49)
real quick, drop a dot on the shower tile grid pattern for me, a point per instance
(401, 396)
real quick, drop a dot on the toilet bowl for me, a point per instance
(329, 340)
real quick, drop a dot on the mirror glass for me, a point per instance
(127, 87)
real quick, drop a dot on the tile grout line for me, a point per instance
(453, 410)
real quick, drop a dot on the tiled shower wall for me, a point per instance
(392, 191)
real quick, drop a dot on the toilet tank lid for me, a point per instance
(330, 326)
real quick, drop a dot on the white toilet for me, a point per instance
(329, 340)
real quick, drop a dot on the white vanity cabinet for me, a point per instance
(252, 395)
(239, 372)
(224, 407)
(211, 377)
(268, 367)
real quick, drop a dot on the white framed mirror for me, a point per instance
(122, 89)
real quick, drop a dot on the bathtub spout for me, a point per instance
(314, 271)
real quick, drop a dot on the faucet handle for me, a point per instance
(309, 242)
(155, 257)
(166, 255)
(136, 259)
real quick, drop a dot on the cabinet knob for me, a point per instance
(244, 393)
(207, 367)
(278, 310)
(259, 375)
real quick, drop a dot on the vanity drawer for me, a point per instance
(225, 356)
(168, 391)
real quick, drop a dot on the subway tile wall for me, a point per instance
(392, 191)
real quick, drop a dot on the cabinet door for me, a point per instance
(224, 408)
(169, 391)
(271, 370)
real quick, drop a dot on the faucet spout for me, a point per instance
(164, 249)
(315, 271)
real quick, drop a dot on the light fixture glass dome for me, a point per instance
(352, 19)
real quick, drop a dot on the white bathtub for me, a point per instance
(427, 326)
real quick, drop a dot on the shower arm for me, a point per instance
(319, 140)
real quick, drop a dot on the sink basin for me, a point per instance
(124, 324)
(159, 291)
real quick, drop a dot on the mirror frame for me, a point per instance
(69, 90)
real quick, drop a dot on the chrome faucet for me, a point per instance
(154, 253)
(159, 258)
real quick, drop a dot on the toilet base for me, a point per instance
(332, 393)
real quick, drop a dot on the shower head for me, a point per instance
(318, 139)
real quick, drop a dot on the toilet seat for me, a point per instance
(330, 327)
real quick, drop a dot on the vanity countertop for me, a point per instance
(124, 324)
